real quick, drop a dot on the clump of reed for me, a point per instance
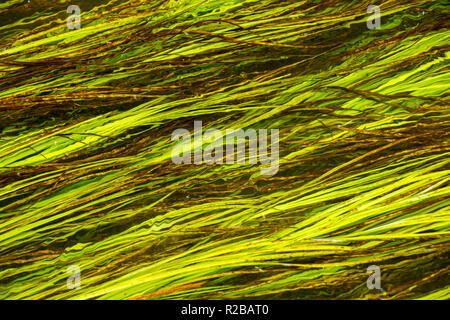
(86, 176)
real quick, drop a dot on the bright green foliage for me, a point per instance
(86, 176)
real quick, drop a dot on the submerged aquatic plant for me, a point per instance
(86, 176)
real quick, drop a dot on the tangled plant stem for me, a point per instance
(86, 176)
